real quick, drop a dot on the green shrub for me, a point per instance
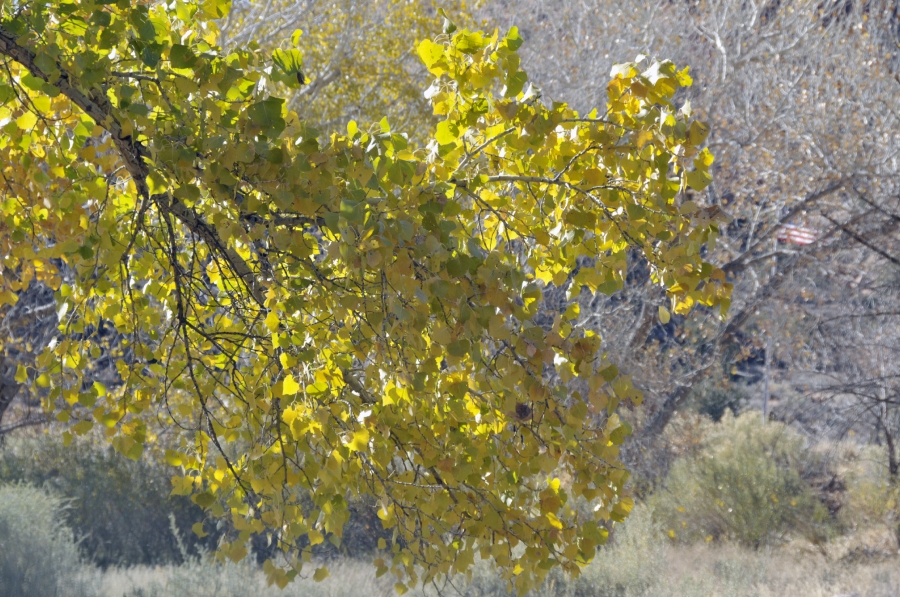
(872, 499)
(38, 555)
(745, 484)
(118, 508)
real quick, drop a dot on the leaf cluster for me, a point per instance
(313, 318)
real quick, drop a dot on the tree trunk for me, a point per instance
(8, 387)
(893, 473)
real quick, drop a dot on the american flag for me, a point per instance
(796, 235)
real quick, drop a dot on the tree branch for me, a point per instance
(97, 106)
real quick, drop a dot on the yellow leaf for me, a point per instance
(553, 520)
(446, 132)
(704, 159)
(289, 386)
(430, 52)
(664, 315)
(272, 320)
(174, 458)
(359, 441)
(320, 574)
(26, 121)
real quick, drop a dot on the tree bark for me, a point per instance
(8, 387)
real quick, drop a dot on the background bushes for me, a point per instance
(118, 509)
(38, 555)
(746, 484)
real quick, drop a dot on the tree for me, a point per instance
(359, 57)
(337, 36)
(315, 319)
(801, 98)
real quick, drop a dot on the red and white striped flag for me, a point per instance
(796, 235)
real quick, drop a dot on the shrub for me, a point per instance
(118, 508)
(631, 564)
(38, 556)
(744, 485)
(873, 499)
(201, 576)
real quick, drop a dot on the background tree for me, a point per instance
(801, 100)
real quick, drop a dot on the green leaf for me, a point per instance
(320, 574)
(698, 132)
(197, 527)
(289, 61)
(204, 499)
(449, 26)
(469, 42)
(609, 373)
(460, 348)
(267, 114)
(82, 427)
(698, 179)
(515, 83)
(6, 93)
(182, 57)
(513, 40)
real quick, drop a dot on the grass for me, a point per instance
(696, 571)
(642, 563)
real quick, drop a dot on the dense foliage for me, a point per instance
(314, 317)
(38, 554)
(745, 484)
(117, 508)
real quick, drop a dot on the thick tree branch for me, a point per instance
(740, 262)
(855, 236)
(97, 106)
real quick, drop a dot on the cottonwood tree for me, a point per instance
(315, 317)
(359, 62)
(359, 57)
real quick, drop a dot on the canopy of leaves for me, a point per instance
(311, 320)
(358, 58)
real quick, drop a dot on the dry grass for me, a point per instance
(718, 570)
(348, 578)
(642, 563)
